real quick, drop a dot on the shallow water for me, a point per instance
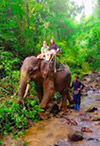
(46, 132)
(55, 130)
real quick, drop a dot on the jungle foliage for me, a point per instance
(15, 117)
(24, 24)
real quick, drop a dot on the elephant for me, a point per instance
(46, 81)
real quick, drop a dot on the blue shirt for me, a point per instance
(77, 84)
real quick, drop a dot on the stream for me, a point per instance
(54, 131)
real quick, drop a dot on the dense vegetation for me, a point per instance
(24, 24)
(15, 117)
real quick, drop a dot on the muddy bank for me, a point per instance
(55, 131)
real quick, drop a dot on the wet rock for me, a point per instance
(84, 94)
(75, 135)
(97, 124)
(88, 79)
(91, 109)
(85, 116)
(63, 142)
(87, 88)
(94, 72)
(61, 114)
(85, 129)
(60, 144)
(97, 79)
(72, 122)
(95, 118)
(97, 100)
(92, 139)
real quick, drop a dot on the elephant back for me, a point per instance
(59, 66)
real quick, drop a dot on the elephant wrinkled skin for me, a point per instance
(47, 82)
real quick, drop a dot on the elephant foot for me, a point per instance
(63, 108)
(43, 106)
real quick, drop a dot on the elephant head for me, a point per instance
(35, 68)
(32, 69)
(44, 68)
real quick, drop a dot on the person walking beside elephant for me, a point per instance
(78, 86)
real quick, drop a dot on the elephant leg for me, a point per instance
(40, 95)
(48, 90)
(69, 97)
(64, 101)
(66, 95)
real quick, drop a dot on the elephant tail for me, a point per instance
(30, 70)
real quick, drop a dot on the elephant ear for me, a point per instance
(44, 68)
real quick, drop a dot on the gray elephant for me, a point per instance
(46, 80)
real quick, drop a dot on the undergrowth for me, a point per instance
(14, 117)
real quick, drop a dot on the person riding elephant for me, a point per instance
(44, 51)
(51, 52)
(46, 81)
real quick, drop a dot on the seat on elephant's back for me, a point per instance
(59, 66)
